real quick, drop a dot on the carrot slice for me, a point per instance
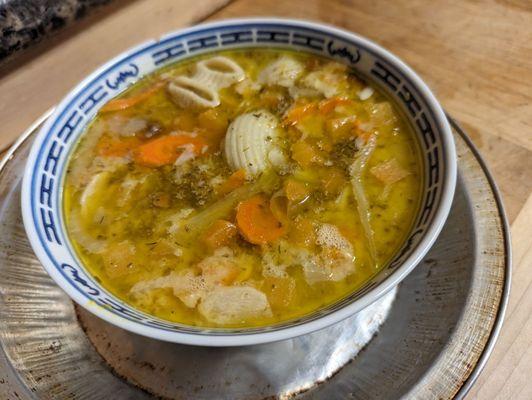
(237, 179)
(122, 104)
(220, 233)
(297, 113)
(165, 149)
(256, 222)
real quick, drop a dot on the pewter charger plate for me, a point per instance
(435, 340)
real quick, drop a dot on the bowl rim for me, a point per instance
(257, 337)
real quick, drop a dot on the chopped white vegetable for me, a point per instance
(365, 93)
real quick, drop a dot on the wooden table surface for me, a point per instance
(476, 56)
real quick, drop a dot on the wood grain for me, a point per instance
(476, 55)
(507, 374)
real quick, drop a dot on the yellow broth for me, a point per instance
(136, 217)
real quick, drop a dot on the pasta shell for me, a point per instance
(249, 140)
(284, 71)
(191, 93)
(201, 90)
(218, 72)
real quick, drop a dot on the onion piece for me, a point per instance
(356, 171)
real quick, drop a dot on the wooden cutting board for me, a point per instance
(476, 56)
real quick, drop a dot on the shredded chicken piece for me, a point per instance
(220, 268)
(326, 80)
(335, 260)
(389, 172)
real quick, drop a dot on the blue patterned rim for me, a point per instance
(45, 171)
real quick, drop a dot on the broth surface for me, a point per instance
(286, 196)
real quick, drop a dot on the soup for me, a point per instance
(242, 188)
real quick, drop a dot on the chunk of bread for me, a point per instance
(234, 304)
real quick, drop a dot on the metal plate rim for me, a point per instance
(505, 295)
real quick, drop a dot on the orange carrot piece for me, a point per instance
(122, 104)
(297, 113)
(235, 180)
(305, 154)
(164, 150)
(115, 147)
(296, 191)
(327, 106)
(256, 222)
(219, 234)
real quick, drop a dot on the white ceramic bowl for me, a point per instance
(45, 171)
